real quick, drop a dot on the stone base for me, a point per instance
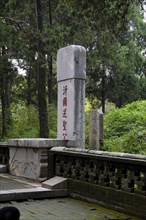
(30, 163)
(29, 157)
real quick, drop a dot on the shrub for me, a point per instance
(125, 129)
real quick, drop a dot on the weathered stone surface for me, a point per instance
(95, 129)
(71, 64)
(58, 149)
(31, 193)
(110, 198)
(56, 183)
(115, 180)
(29, 162)
(41, 143)
(29, 157)
(104, 153)
(38, 142)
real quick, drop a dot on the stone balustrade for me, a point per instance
(116, 180)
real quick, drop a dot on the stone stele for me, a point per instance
(71, 74)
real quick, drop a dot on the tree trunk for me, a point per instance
(50, 61)
(42, 103)
(103, 91)
(50, 80)
(29, 88)
(5, 97)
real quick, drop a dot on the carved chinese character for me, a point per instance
(64, 135)
(65, 101)
(64, 125)
(65, 90)
(65, 113)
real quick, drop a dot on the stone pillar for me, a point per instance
(95, 129)
(71, 74)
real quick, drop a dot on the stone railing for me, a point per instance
(116, 180)
(4, 153)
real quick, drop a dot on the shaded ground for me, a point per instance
(64, 209)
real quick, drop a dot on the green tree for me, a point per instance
(103, 27)
(6, 71)
(42, 104)
(117, 61)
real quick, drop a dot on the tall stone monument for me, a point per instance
(95, 129)
(71, 74)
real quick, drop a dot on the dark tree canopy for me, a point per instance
(112, 31)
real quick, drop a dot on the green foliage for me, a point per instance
(116, 62)
(125, 129)
(88, 108)
(25, 121)
(113, 32)
(52, 114)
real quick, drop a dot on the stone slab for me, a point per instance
(31, 193)
(38, 142)
(123, 156)
(16, 188)
(29, 162)
(56, 183)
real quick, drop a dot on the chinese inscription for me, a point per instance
(64, 113)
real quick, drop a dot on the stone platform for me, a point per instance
(15, 188)
(36, 202)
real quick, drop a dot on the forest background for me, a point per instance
(114, 35)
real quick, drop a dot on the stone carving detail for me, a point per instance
(29, 162)
(26, 168)
(121, 176)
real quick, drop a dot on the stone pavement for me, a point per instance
(64, 209)
(53, 208)
(16, 188)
